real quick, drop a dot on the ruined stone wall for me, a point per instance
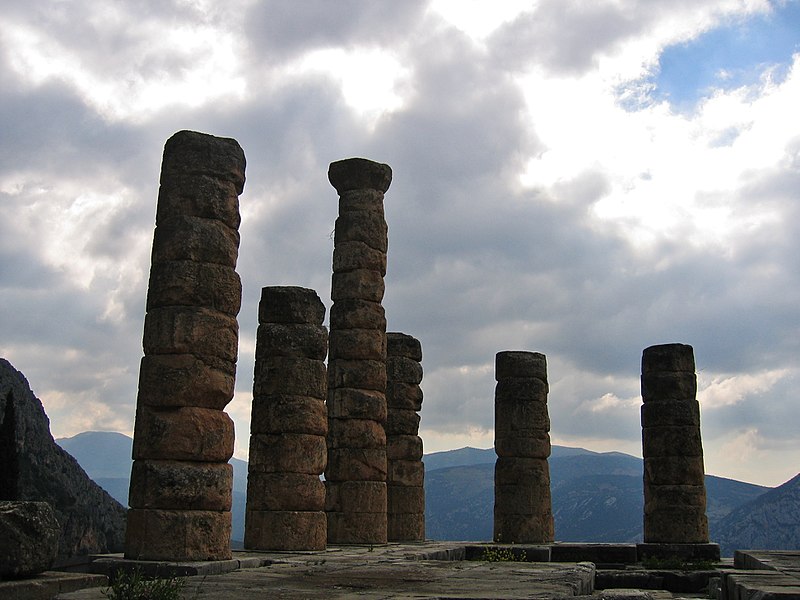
(674, 476)
(406, 472)
(522, 507)
(180, 491)
(288, 424)
(355, 477)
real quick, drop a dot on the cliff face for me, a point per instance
(34, 467)
(771, 521)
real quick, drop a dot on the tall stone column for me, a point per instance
(355, 477)
(288, 424)
(406, 472)
(674, 477)
(180, 491)
(523, 510)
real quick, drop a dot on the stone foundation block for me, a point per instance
(402, 422)
(285, 530)
(355, 313)
(175, 380)
(287, 453)
(187, 283)
(185, 237)
(357, 528)
(404, 499)
(674, 470)
(280, 413)
(672, 441)
(403, 370)
(365, 226)
(358, 374)
(514, 363)
(523, 447)
(290, 304)
(291, 340)
(523, 528)
(358, 344)
(285, 492)
(404, 447)
(404, 396)
(290, 376)
(409, 473)
(191, 330)
(188, 433)
(178, 535)
(661, 387)
(356, 496)
(685, 413)
(402, 527)
(29, 534)
(181, 485)
(350, 403)
(349, 256)
(355, 433)
(356, 464)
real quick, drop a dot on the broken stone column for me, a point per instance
(674, 477)
(288, 424)
(355, 477)
(523, 510)
(406, 472)
(180, 491)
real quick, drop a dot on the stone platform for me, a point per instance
(433, 570)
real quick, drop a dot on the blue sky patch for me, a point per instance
(731, 56)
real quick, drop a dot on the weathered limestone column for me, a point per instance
(406, 472)
(180, 491)
(355, 477)
(674, 477)
(523, 510)
(288, 424)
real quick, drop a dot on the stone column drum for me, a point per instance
(288, 424)
(406, 472)
(523, 510)
(674, 476)
(355, 477)
(180, 490)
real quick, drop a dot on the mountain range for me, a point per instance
(597, 497)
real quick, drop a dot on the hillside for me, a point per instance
(770, 521)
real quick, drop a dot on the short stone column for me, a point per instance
(288, 424)
(180, 490)
(355, 477)
(523, 510)
(674, 477)
(406, 472)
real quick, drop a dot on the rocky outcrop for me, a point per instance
(770, 522)
(33, 467)
(28, 538)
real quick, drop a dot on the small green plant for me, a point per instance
(491, 554)
(134, 585)
(674, 563)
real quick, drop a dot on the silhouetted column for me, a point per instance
(180, 491)
(522, 505)
(288, 424)
(355, 477)
(406, 473)
(674, 477)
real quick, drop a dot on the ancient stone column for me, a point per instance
(406, 472)
(523, 510)
(674, 477)
(355, 477)
(180, 491)
(288, 424)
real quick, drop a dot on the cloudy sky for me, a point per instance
(581, 179)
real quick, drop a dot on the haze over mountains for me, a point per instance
(597, 497)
